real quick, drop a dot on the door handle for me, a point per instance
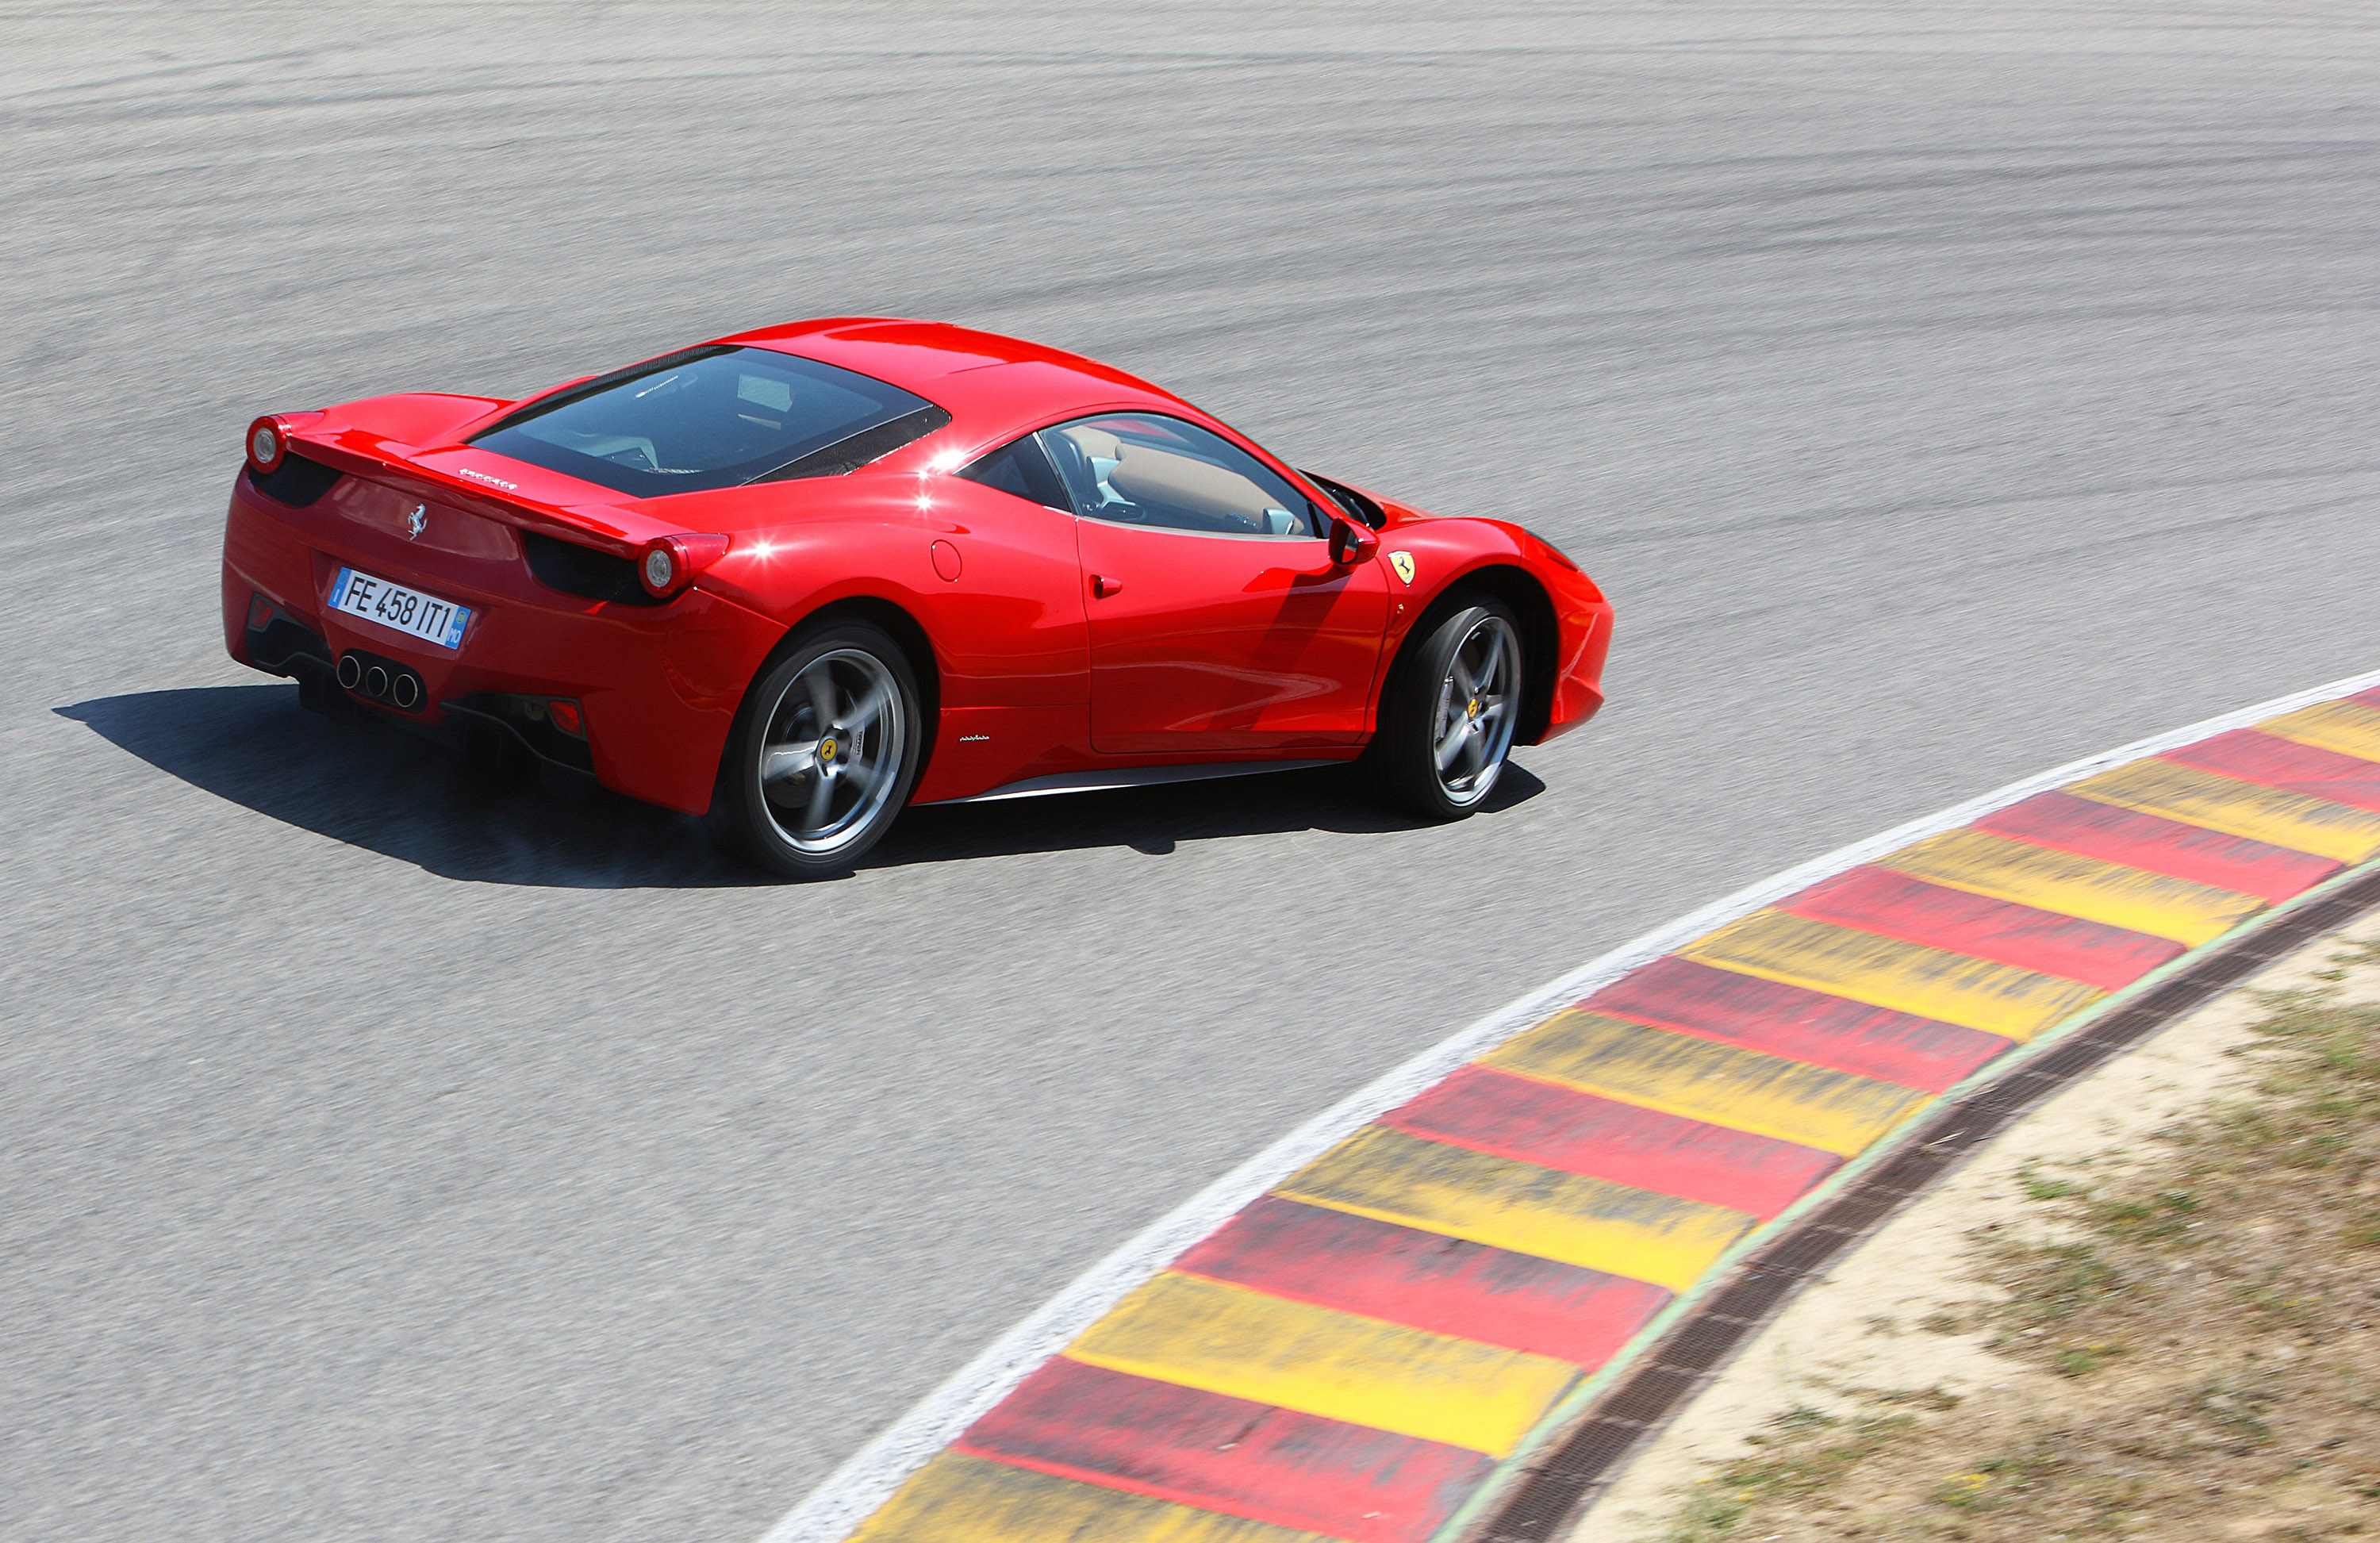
(1102, 586)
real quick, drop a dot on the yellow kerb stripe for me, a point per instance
(1390, 1176)
(956, 1499)
(2316, 825)
(1677, 1073)
(1983, 863)
(1243, 1343)
(2342, 726)
(1885, 972)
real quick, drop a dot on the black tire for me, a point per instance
(807, 804)
(1450, 695)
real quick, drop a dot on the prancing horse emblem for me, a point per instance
(1402, 562)
(416, 522)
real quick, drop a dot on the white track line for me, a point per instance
(863, 1483)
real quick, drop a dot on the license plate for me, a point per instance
(395, 606)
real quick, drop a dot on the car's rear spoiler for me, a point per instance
(491, 486)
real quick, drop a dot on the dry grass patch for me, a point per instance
(2210, 1306)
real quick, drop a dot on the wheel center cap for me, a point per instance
(827, 750)
(1474, 709)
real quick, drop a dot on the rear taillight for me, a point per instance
(659, 569)
(668, 564)
(567, 717)
(267, 443)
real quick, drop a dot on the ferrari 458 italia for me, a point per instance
(799, 578)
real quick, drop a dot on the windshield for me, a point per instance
(712, 417)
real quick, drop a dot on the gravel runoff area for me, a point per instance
(2148, 1311)
(1943, 391)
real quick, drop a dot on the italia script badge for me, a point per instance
(419, 521)
(1403, 562)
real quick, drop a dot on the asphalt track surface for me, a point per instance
(1941, 393)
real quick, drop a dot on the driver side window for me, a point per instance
(1141, 469)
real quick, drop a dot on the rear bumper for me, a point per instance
(659, 685)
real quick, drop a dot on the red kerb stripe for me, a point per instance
(2154, 845)
(1518, 1117)
(1896, 905)
(2272, 761)
(1226, 1455)
(1800, 1023)
(1424, 1281)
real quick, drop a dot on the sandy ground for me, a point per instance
(1856, 1332)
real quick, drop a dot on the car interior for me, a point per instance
(1141, 472)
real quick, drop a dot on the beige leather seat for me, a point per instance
(1215, 498)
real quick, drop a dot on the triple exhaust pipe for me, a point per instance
(383, 680)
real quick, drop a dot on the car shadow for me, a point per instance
(374, 785)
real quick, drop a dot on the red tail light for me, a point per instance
(659, 567)
(668, 564)
(267, 443)
(567, 717)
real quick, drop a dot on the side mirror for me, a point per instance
(1352, 543)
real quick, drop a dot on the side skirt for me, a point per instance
(1103, 780)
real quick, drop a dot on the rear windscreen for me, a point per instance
(708, 418)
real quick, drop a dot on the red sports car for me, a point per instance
(804, 576)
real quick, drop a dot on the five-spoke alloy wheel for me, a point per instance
(1448, 719)
(822, 753)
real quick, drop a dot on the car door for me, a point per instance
(1217, 620)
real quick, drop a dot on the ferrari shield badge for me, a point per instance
(1402, 562)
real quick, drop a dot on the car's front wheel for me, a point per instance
(822, 754)
(1447, 720)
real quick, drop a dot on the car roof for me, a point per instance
(987, 381)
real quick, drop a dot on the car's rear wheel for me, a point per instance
(1446, 721)
(822, 755)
